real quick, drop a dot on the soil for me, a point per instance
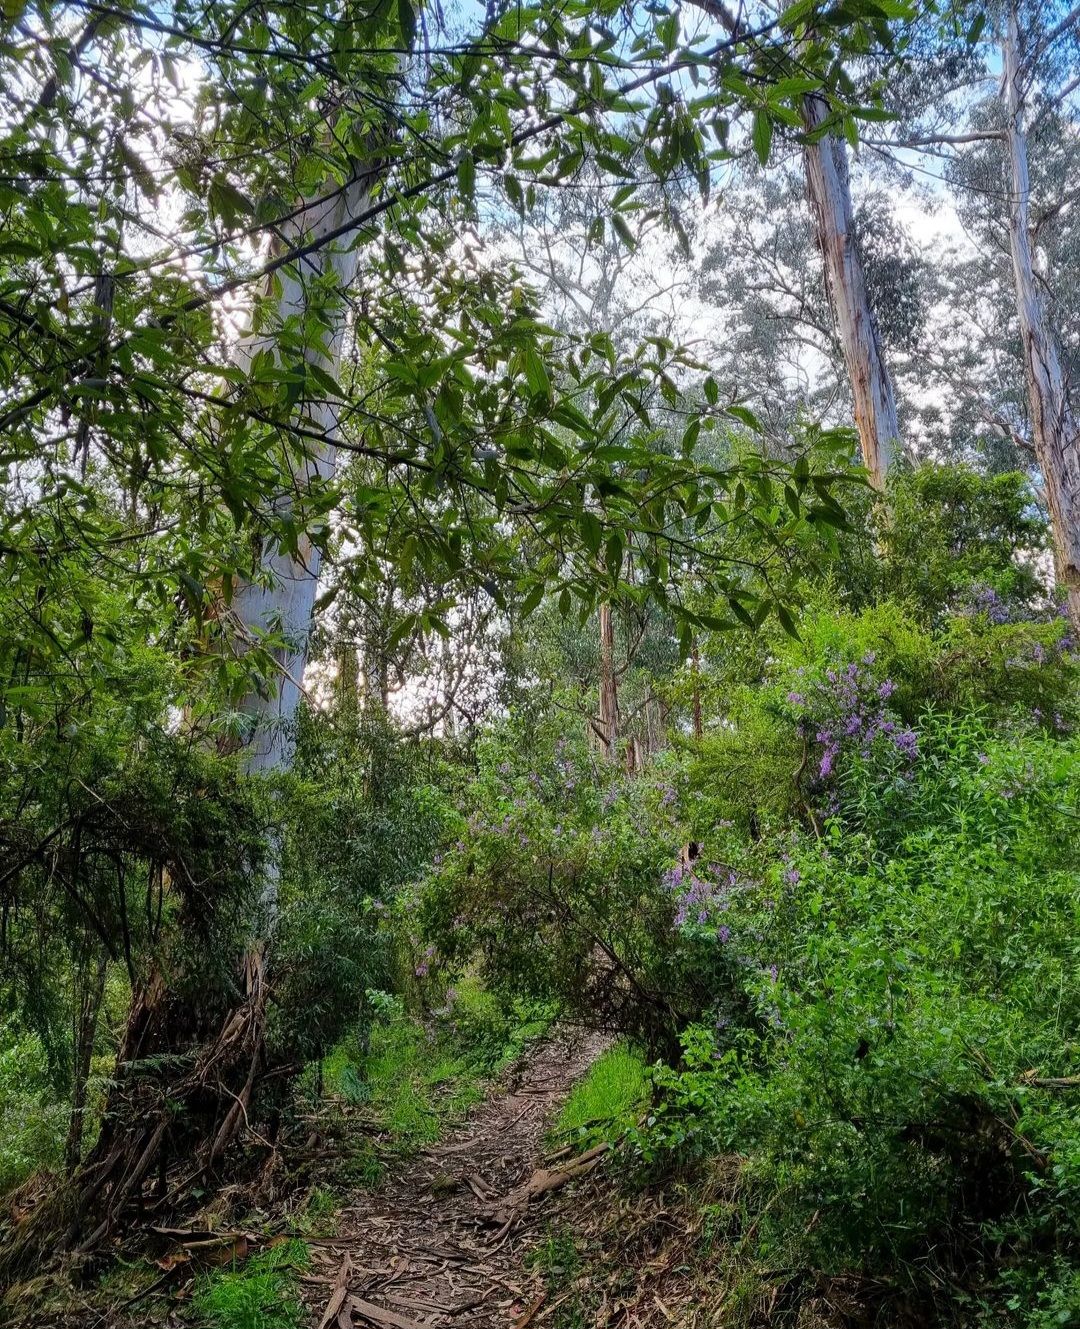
(444, 1238)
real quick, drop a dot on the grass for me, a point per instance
(557, 1260)
(260, 1294)
(416, 1078)
(607, 1100)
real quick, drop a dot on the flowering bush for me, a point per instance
(561, 887)
(906, 1009)
(847, 712)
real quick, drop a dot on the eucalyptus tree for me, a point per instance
(993, 94)
(820, 130)
(773, 343)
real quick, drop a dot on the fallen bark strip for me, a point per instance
(339, 1293)
(542, 1182)
(528, 1316)
(380, 1315)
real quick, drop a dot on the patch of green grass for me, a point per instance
(418, 1077)
(319, 1214)
(607, 1100)
(415, 1082)
(260, 1294)
(557, 1260)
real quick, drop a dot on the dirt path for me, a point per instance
(441, 1241)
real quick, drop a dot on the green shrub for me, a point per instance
(260, 1294)
(365, 816)
(555, 891)
(914, 992)
(33, 1117)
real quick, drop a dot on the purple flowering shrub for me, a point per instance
(832, 727)
(1026, 671)
(898, 1074)
(558, 888)
(843, 716)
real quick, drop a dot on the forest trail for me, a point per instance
(442, 1241)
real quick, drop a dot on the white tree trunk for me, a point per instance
(282, 596)
(829, 193)
(1054, 426)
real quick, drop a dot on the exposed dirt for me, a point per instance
(442, 1240)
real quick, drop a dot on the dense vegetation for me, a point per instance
(503, 525)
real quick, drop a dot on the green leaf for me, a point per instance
(623, 231)
(591, 532)
(536, 374)
(761, 135)
(746, 417)
(406, 22)
(787, 622)
(466, 175)
(613, 555)
(532, 600)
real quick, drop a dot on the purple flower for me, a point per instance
(796, 699)
(723, 933)
(907, 743)
(791, 876)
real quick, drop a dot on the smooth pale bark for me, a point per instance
(281, 596)
(1053, 424)
(608, 726)
(829, 194)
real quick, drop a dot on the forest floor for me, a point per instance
(493, 1226)
(445, 1239)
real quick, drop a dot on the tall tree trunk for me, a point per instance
(1054, 426)
(609, 693)
(90, 989)
(281, 595)
(829, 193)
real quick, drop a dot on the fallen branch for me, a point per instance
(542, 1182)
(339, 1293)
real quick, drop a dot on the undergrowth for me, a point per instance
(607, 1100)
(418, 1074)
(259, 1294)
